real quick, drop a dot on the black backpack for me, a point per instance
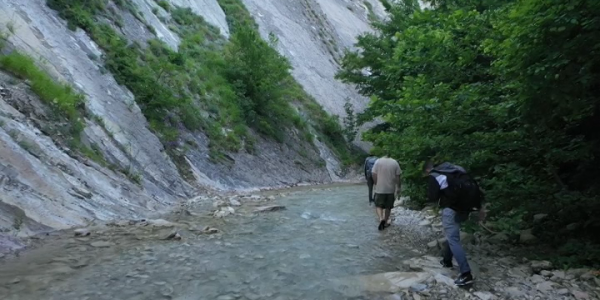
(463, 191)
(369, 165)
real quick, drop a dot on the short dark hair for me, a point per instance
(427, 165)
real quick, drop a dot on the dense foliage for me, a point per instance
(508, 89)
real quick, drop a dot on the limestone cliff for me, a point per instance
(45, 184)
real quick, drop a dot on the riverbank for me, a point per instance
(301, 243)
(500, 270)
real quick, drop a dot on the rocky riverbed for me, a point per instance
(309, 243)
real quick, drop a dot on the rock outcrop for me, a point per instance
(46, 185)
(312, 35)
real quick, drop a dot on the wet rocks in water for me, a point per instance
(159, 223)
(173, 236)
(101, 244)
(219, 203)
(224, 212)
(210, 230)
(234, 202)
(269, 208)
(82, 232)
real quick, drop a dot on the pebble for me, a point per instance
(484, 295)
(537, 279)
(563, 292)
(579, 295)
(418, 287)
(82, 232)
(425, 223)
(539, 265)
(545, 286)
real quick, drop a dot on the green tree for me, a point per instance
(507, 89)
(260, 75)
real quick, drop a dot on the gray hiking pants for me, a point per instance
(370, 185)
(452, 248)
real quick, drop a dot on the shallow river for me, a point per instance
(303, 252)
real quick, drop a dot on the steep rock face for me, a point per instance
(209, 10)
(312, 35)
(45, 185)
(71, 57)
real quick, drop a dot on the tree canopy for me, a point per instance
(507, 89)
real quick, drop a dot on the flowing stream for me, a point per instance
(302, 252)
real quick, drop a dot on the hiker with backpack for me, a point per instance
(458, 195)
(368, 168)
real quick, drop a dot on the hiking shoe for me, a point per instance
(446, 264)
(381, 225)
(464, 279)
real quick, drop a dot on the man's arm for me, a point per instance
(398, 180)
(398, 186)
(374, 172)
(433, 189)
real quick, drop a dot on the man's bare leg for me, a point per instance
(380, 213)
(388, 212)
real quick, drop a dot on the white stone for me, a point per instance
(484, 295)
(425, 223)
(540, 265)
(392, 282)
(545, 287)
(445, 280)
(218, 203)
(432, 244)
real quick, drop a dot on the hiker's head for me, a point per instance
(427, 167)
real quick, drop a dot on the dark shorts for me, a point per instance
(385, 200)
